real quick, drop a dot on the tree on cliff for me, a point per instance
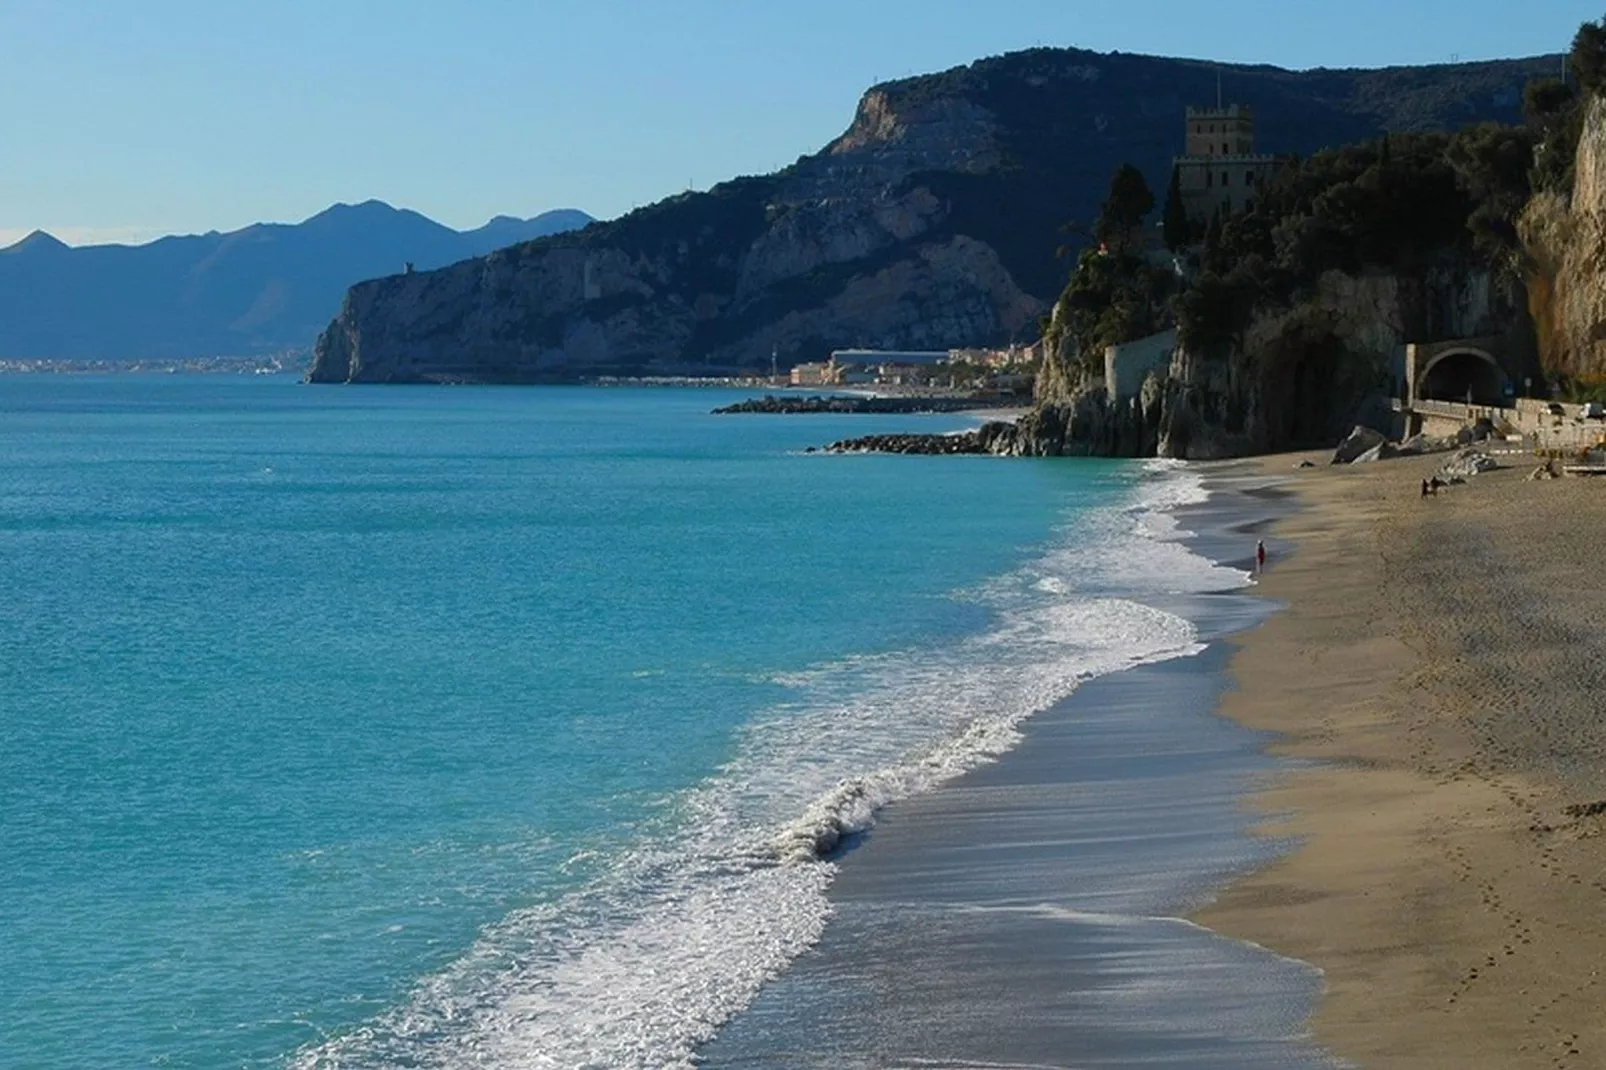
(1545, 98)
(1178, 229)
(1129, 202)
(1494, 165)
(1417, 200)
(1112, 298)
(1554, 121)
(1588, 59)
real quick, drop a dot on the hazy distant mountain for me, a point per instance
(267, 287)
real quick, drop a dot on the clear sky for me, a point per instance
(123, 119)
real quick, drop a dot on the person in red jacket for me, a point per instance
(1260, 555)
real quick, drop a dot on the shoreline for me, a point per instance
(1438, 670)
(1050, 888)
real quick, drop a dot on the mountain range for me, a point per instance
(261, 289)
(939, 218)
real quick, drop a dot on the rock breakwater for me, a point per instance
(995, 438)
(772, 403)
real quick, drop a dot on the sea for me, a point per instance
(438, 727)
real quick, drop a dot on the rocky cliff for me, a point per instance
(1301, 376)
(1565, 236)
(934, 221)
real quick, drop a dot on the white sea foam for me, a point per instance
(668, 941)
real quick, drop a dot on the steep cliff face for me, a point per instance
(841, 249)
(1302, 376)
(1565, 236)
(934, 221)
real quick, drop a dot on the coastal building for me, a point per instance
(1220, 171)
(894, 373)
(1013, 356)
(816, 374)
(870, 358)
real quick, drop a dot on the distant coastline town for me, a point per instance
(293, 362)
(1008, 370)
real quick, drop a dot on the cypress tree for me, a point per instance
(1178, 231)
(1129, 201)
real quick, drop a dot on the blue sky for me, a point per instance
(123, 119)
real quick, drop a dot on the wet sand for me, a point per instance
(1032, 912)
(1444, 660)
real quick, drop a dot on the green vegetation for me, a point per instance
(1178, 229)
(1588, 57)
(1400, 204)
(1115, 293)
(1581, 388)
(1055, 158)
(1123, 212)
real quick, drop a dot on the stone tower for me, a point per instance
(1220, 170)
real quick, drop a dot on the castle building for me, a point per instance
(1220, 170)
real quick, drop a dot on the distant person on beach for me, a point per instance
(1260, 555)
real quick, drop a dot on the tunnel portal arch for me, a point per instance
(1464, 374)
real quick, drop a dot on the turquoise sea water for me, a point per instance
(411, 727)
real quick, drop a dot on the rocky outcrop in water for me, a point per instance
(995, 437)
(934, 221)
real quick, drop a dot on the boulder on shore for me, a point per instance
(1380, 452)
(1356, 443)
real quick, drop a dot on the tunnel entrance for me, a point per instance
(1465, 376)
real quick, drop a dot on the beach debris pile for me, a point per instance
(1466, 464)
(1364, 445)
(1425, 443)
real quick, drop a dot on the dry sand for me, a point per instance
(1444, 661)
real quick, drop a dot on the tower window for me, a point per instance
(1226, 180)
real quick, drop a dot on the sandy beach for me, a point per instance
(1031, 913)
(1442, 661)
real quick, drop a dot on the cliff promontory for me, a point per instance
(934, 221)
(1290, 322)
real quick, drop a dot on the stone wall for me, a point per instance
(1126, 366)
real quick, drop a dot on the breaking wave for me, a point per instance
(667, 941)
